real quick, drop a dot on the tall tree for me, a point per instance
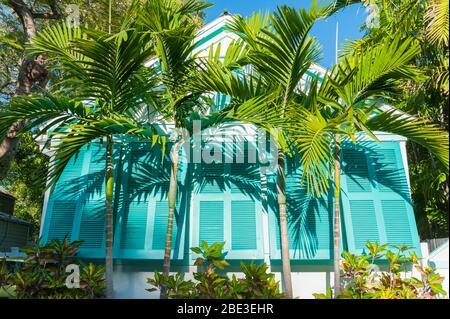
(281, 53)
(427, 22)
(108, 82)
(28, 188)
(22, 20)
(346, 104)
(32, 71)
(342, 106)
(171, 26)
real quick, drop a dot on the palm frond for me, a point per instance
(68, 143)
(95, 65)
(286, 51)
(417, 130)
(250, 28)
(437, 17)
(313, 136)
(57, 42)
(37, 111)
(378, 72)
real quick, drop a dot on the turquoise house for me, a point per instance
(230, 199)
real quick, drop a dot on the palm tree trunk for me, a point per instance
(109, 187)
(285, 259)
(172, 197)
(337, 217)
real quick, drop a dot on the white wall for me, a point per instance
(306, 280)
(438, 259)
(130, 282)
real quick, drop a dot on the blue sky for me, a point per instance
(349, 21)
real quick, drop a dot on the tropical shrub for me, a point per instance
(363, 278)
(43, 274)
(209, 284)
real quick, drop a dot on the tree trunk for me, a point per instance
(109, 189)
(25, 15)
(337, 217)
(172, 198)
(8, 149)
(285, 259)
(31, 71)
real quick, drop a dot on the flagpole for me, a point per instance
(109, 16)
(337, 41)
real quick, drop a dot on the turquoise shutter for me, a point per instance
(220, 101)
(309, 219)
(375, 196)
(65, 200)
(92, 223)
(243, 225)
(396, 206)
(211, 221)
(227, 205)
(61, 219)
(135, 198)
(134, 225)
(212, 177)
(358, 198)
(245, 203)
(210, 198)
(396, 223)
(143, 207)
(355, 162)
(363, 222)
(160, 226)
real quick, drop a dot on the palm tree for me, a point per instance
(348, 102)
(106, 82)
(171, 26)
(316, 122)
(438, 18)
(279, 51)
(427, 22)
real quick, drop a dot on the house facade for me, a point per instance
(229, 195)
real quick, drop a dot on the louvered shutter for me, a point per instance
(92, 223)
(160, 226)
(227, 205)
(363, 222)
(61, 219)
(309, 219)
(375, 196)
(212, 226)
(144, 206)
(210, 198)
(220, 101)
(65, 200)
(243, 225)
(135, 201)
(395, 199)
(134, 225)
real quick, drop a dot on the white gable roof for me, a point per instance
(215, 32)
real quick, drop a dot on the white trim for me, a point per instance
(44, 211)
(45, 204)
(215, 24)
(191, 221)
(265, 218)
(405, 162)
(382, 136)
(438, 250)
